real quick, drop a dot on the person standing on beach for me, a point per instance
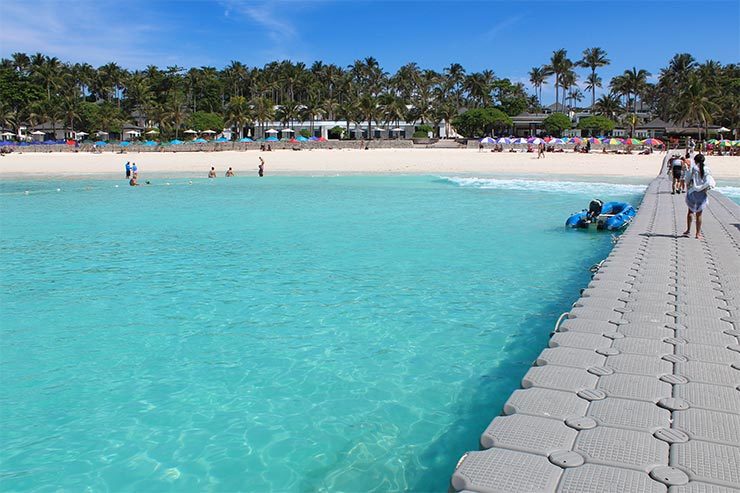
(212, 173)
(134, 169)
(540, 150)
(261, 167)
(674, 171)
(700, 181)
(128, 170)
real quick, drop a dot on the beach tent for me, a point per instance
(199, 141)
(246, 139)
(150, 143)
(175, 142)
(487, 140)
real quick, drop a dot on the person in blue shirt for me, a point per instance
(128, 169)
(134, 169)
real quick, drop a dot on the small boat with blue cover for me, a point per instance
(610, 216)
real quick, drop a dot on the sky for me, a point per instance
(508, 37)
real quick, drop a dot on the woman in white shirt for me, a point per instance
(699, 181)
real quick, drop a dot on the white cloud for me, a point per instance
(83, 31)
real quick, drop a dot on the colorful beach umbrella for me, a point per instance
(520, 140)
(504, 140)
(150, 143)
(301, 138)
(633, 142)
(725, 143)
(612, 141)
(175, 142)
(101, 143)
(594, 140)
(536, 141)
(313, 139)
(712, 141)
(199, 141)
(487, 140)
(271, 139)
(653, 142)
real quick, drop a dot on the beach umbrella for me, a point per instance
(152, 131)
(301, 138)
(125, 143)
(81, 134)
(38, 132)
(150, 143)
(520, 140)
(613, 141)
(712, 141)
(271, 131)
(574, 140)
(199, 141)
(322, 139)
(313, 139)
(175, 142)
(271, 139)
(208, 132)
(190, 131)
(288, 131)
(536, 141)
(7, 134)
(504, 140)
(221, 139)
(245, 139)
(725, 143)
(652, 142)
(487, 140)
(633, 142)
(594, 140)
(101, 143)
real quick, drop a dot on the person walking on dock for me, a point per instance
(699, 181)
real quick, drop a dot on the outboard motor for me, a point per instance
(594, 208)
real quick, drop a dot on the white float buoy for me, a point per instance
(26, 192)
(116, 186)
(59, 189)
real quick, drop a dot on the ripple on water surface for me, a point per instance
(284, 334)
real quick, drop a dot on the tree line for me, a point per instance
(37, 89)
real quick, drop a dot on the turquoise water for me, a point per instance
(283, 334)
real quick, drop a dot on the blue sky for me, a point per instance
(509, 37)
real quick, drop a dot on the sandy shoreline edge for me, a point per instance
(349, 162)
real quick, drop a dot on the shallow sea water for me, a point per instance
(284, 334)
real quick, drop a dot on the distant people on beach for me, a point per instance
(134, 169)
(212, 173)
(699, 180)
(541, 150)
(685, 166)
(128, 170)
(690, 145)
(261, 167)
(133, 181)
(229, 172)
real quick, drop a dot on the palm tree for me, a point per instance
(609, 106)
(694, 105)
(635, 82)
(559, 64)
(592, 82)
(593, 58)
(238, 113)
(264, 110)
(537, 77)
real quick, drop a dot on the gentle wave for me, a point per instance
(578, 187)
(732, 192)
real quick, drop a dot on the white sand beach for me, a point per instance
(383, 161)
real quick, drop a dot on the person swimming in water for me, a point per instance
(212, 173)
(261, 167)
(229, 172)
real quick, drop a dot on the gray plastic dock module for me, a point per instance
(639, 389)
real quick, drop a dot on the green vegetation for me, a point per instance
(481, 121)
(556, 123)
(38, 89)
(597, 124)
